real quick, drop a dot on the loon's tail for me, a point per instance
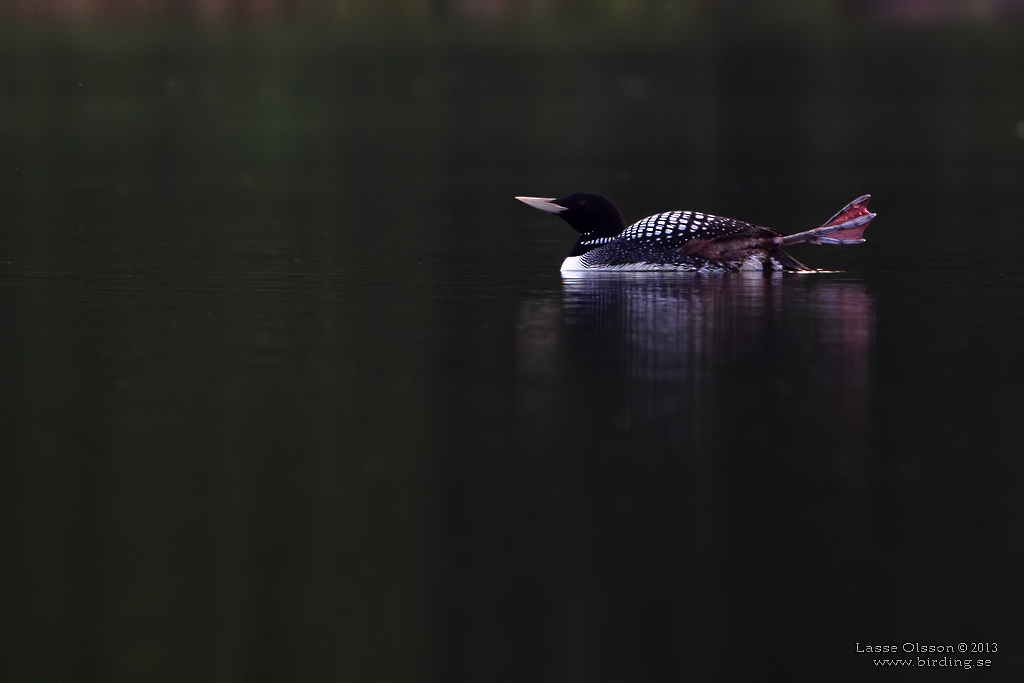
(846, 227)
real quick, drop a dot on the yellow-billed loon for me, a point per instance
(687, 240)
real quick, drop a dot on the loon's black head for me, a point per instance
(590, 214)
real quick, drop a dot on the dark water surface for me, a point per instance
(292, 389)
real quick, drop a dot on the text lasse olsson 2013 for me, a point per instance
(918, 647)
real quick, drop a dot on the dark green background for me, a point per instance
(291, 388)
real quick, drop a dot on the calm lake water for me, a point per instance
(292, 388)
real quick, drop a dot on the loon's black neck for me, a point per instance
(588, 241)
(591, 215)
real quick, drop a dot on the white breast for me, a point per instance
(573, 263)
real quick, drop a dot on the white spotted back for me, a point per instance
(676, 227)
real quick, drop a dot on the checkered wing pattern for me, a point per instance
(673, 228)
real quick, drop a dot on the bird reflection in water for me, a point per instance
(738, 360)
